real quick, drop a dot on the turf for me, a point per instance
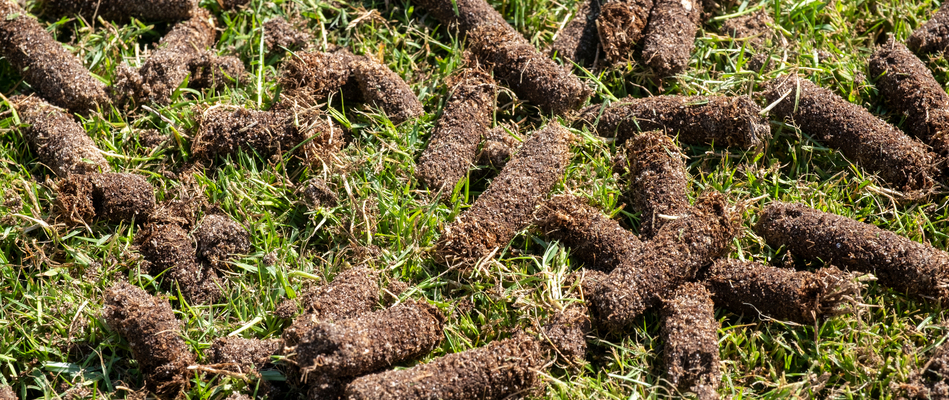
(53, 275)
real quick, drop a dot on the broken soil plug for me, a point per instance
(310, 78)
(383, 88)
(58, 141)
(620, 26)
(111, 197)
(578, 41)
(168, 249)
(123, 10)
(658, 182)
(352, 293)
(219, 237)
(670, 36)
(466, 15)
(691, 353)
(565, 335)
(933, 36)
(242, 355)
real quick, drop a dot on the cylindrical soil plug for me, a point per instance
(933, 36)
(385, 89)
(58, 140)
(168, 66)
(670, 36)
(620, 26)
(690, 330)
(658, 182)
(578, 40)
(466, 15)
(352, 293)
(123, 10)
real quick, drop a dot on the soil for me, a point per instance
(123, 10)
(352, 293)
(385, 89)
(238, 396)
(752, 27)
(310, 78)
(620, 26)
(167, 247)
(508, 204)
(531, 75)
(690, 330)
(58, 141)
(931, 381)
(52, 71)
(600, 242)
(280, 35)
(219, 237)
(497, 148)
(670, 35)
(673, 256)
(228, 5)
(111, 197)
(904, 163)
(154, 335)
(500, 370)
(327, 388)
(658, 182)
(7, 393)
(466, 118)
(564, 335)
(933, 36)
(910, 267)
(183, 210)
(372, 341)
(209, 70)
(316, 193)
(470, 15)
(578, 41)
(910, 90)
(241, 355)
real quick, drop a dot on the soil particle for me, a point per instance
(209, 70)
(243, 355)
(497, 148)
(393, 290)
(670, 36)
(316, 193)
(578, 41)
(219, 237)
(470, 14)
(280, 35)
(499, 370)
(910, 90)
(620, 26)
(695, 120)
(674, 255)
(56, 74)
(879, 147)
(110, 196)
(464, 120)
(309, 78)
(753, 27)
(153, 333)
(383, 88)
(123, 10)
(531, 75)
(918, 269)
(933, 36)
(658, 181)
(565, 334)
(600, 242)
(7, 393)
(372, 341)
(691, 350)
(352, 293)
(57, 139)
(931, 382)
(327, 388)
(750, 288)
(168, 248)
(508, 204)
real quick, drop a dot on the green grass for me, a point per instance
(53, 338)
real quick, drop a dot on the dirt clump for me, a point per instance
(497, 371)
(578, 41)
(670, 35)
(914, 268)
(123, 10)
(209, 70)
(508, 204)
(497, 147)
(933, 36)
(382, 87)
(56, 74)
(564, 334)
(658, 182)
(620, 26)
(280, 34)
(7, 393)
(600, 242)
(167, 247)
(470, 14)
(309, 78)
(219, 237)
(531, 75)
(112, 197)
(58, 141)
(753, 27)
(465, 119)
(690, 330)
(352, 293)
(352, 347)
(149, 325)
(694, 120)
(316, 193)
(242, 355)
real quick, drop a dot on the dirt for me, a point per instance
(466, 118)
(229, 5)
(219, 238)
(242, 355)
(670, 35)
(578, 41)
(564, 335)
(620, 26)
(694, 120)
(7, 393)
(182, 210)
(909, 89)
(497, 148)
(690, 331)
(58, 141)
(755, 28)
(327, 388)
(508, 204)
(168, 250)
(470, 14)
(51, 70)
(154, 335)
(933, 36)
(280, 35)
(598, 241)
(500, 370)
(123, 10)
(316, 193)
(356, 346)
(673, 256)
(352, 293)
(917, 269)
(310, 78)
(531, 75)
(931, 382)
(209, 70)
(904, 163)
(383, 88)
(658, 182)
(111, 197)
(238, 396)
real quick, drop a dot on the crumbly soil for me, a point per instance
(507, 206)
(55, 73)
(209, 70)
(531, 75)
(497, 147)
(167, 247)
(578, 41)
(58, 141)
(620, 26)
(219, 237)
(372, 341)
(904, 163)
(470, 15)
(183, 210)
(502, 369)
(600, 242)
(352, 293)
(673, 256)
(933, 36)
(7, 393)
(383, 88)
(238, 396)
(465, 119)
(695, 120)
(154, 335)
(564, 335)
(670, 35)
(280, 35)
(123, 10)
(658, 182)
(241, 355)
(752, 27)
(327, 388)
(310, 78)
(691, 349)
(316, 193)
(910, 90)
(911, 267)
(109, 196)
(931, 382)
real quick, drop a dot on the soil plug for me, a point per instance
(167, 247)
(123, 10)
(309, 78)
(209, 70)
(382, 87)
(58, 141)
(465, 15)
(219, 237)
(280, 35)
(658, 182)
(933, 36)
(578, 41)
(112, 197)
(7, 393)
(354, 292)
(497, 147)
(691, 350)
(620, 26)
(670, 35)
(243, 355)
(564, 335)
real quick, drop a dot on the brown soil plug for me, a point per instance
(45, 64)
(508, 203)
(911, 267)
(7, 393)
(578, 41)
(242, 355)
(750, 288)
(620, 26)
(57, 140)
(695, 120)
(470, 14)
(753, 27)
(862, 137)
(931, 381)
(909, 89)
(497, 147)
(464, 120)
(108, 196)
(382, 87)
(167, 247)
(209, 70)
(153, 333)
(316, 193)
(219, 237)
(280, 35)
(564, 334)
(674, 255)
(691, 350)
(933, 36)
(352, 293)
(353, 347)
(123, 10)
(670, 36)
(309, 78)
(497, 371)
(531, 75)
(658, 182)
(600, 242)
